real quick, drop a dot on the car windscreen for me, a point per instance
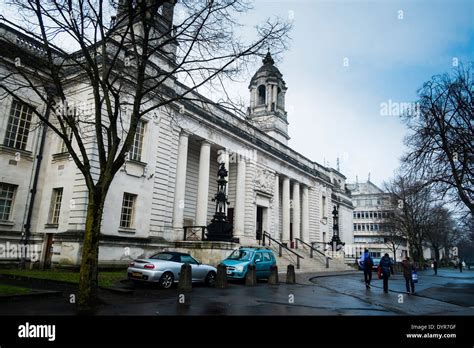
(241, 255)
(163, 256)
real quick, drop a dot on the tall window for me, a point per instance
(7, 195)
(137, 146)
(63, 147)
(128, 207)
(323, 207)
(56, 199)
(279, 98)
(18, 126)
(262, 95)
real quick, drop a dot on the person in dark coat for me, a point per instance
(435, 267)
(366, 262)
(387, 269)
(408, 268)
(460, 265)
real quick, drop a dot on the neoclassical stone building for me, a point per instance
(163, 194)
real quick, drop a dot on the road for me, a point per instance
(449, 293)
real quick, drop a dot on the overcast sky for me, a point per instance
(335, 110)
(346, 59)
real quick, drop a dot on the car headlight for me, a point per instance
(239, 268)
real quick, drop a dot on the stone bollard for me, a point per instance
(273, 278)
(185, 278)
(290, 275)
(251, 276)
(221, 278)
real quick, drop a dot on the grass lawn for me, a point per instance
(105, 278)
(13, 290)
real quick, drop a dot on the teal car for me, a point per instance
(237, 263)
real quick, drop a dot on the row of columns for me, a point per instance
(300, 213)
(300, 193)
(203, 186)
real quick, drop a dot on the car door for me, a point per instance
(259, 264)
(196, 269)
(267, 262)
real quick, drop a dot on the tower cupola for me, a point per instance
(267, 100)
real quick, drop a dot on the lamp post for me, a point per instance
(335, 242)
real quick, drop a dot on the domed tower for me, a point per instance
(267, 101)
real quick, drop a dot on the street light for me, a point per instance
(335, 242)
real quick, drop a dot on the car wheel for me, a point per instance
(166, 280)
(211, 278)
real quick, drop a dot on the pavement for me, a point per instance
(339, 294)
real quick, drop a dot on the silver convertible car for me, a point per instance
(164, 268)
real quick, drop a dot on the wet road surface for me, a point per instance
(449, 293)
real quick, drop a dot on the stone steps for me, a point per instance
(307, 264)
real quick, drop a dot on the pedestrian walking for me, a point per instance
(408, 270)
(460, 266)
(386, 269)
(366, 262)
(435, 267)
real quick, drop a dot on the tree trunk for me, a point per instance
(88, 278)
(421, 259)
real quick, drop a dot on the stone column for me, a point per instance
(285, 205)
(269, 97)
(180, 184)
(239, 211)
(296, 211)
(203, 184)
(252, 99)
(276, 208)
(305, 214)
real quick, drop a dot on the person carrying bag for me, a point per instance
(410, 275)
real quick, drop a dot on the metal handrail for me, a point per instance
(311, 249)
(282, 246)
(193, 233)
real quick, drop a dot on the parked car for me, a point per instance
(237, 263)
(376, 263)
(164, 268)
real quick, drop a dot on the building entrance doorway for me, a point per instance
(262, 222)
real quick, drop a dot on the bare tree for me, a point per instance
(466, 243)
(442, 233)
(441, 150)
(393, 237)
(130, 62)
(412, 203)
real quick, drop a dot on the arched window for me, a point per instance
(262, 95)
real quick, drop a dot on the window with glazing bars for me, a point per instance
(137, 146)
(56, 205)
(7, 195)
(63, 147)
(128, 206)
(18, 126)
